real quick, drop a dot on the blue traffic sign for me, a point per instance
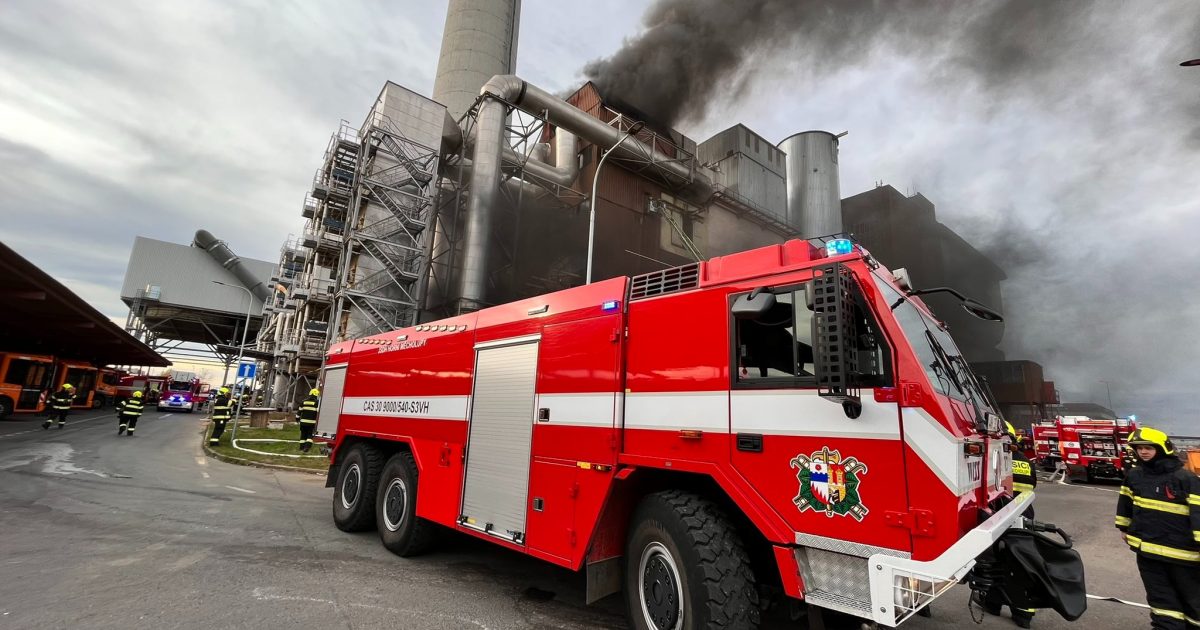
(246, 370)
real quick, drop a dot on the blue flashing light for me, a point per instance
(1133, 417)
(610, 305)
(839, 247)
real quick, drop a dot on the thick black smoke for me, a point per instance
(1091, 220)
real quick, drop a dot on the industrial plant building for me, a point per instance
(483, 194)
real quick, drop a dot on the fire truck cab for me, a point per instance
(1045, 445)
(179, 392)
(790, 415)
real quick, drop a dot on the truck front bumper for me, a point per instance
(900, 587)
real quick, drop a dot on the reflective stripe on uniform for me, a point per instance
(1162, 550)
(1126, 491)
(1163, 612)
(1192, 621)
(303, 421)
(1022, 487)
(1196, 535)
(1194, 499)
(1124, 521)
(1161, 506)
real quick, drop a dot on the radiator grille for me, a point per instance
(665, 281)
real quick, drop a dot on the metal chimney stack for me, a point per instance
(479, 42)
(814, 201)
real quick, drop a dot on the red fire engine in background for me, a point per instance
(1091, 449)
(150, 386)
(792, 415)
(179, 392)
(1045, 445)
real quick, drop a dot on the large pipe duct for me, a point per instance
(485, 174)
(225, 257)
(814, 200)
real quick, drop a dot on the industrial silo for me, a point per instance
(814, 203)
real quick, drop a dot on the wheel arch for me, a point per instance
(608, 539)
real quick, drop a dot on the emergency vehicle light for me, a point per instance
(839, 247)
(610, 305)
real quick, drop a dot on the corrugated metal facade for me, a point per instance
(185, 274)
(749, 167)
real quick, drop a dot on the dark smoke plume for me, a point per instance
(1072, 210)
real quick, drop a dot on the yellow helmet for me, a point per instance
(314, 392)
(137, 394)
(1011, 431)
(68, 386)
(1145, 436)
(223, 390)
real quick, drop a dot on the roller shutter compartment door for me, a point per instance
(331, 401)
(496, 487)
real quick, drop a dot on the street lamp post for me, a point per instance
(637, 126)
(241, 352)
(1108, 390)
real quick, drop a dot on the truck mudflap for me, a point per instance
(899, 587)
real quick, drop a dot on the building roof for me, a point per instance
(42, 316)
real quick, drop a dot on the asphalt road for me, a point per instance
(101, 531)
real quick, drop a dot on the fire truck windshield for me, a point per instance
(180, 386)
(939, 355)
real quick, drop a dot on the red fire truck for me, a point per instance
(1092, 448)
(150, 386)
(1045, 445)
(790, 416)
(179, 392)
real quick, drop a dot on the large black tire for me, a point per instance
(400, 529)
(686, 567)
(354, 491)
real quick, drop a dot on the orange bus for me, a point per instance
(81, 375)
(23, 379)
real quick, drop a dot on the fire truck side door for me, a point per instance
(499, 436)
(830, 477)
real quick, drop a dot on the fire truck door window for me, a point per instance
(777, 347)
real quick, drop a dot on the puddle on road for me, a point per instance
(54, 458)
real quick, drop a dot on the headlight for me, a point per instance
(911, 593)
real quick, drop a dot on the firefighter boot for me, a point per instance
(45, 425)
(1023, 618)
(121, 428)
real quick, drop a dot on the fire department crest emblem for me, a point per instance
(829, 483)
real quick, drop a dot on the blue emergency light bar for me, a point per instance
(839, 247)
(610, 305)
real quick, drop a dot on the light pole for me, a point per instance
(1108, 390)
(637, 126)
(1190, 63)
(241, 350)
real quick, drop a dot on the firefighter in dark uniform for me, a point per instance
(221, 413)
(308, 418)
(60, 405)
(1159, 514)
(1024, 480)
(128, 412)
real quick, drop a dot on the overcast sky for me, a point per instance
(1065, 145)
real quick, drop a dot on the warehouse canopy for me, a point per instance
(40, 315)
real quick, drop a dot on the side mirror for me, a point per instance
(753, 305)
(981, 311)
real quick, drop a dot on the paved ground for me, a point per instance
(101, 531)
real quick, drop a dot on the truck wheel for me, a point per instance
(400, 529)
(686, 567)
(354, 492)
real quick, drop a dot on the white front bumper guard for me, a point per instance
(901, 587)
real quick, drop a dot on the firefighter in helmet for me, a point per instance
(1024, 480)
(308, 418)
(1158, 513)
(60, 405)
(221, 413)
(128, 412)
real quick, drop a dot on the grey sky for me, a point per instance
(1065, 143)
